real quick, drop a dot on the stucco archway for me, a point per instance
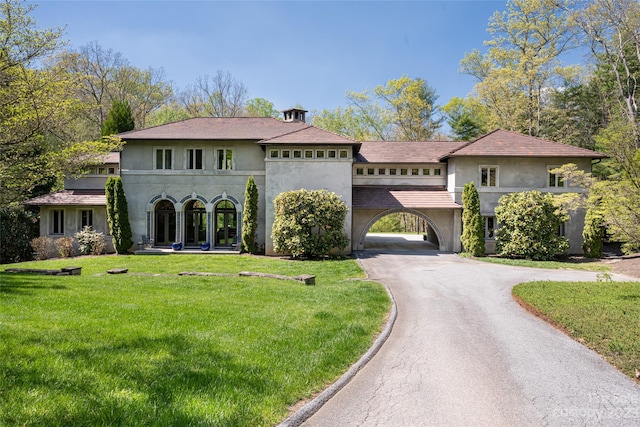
(441, 242)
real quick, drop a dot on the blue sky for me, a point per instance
(289, 52)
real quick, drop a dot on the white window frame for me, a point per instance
(226, 164)
(56, 227)
(190, 156)
(557, 181)
(164, 159)
(344, 154)
(489, 168)
(80, 211)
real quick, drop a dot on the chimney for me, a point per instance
(294, 115)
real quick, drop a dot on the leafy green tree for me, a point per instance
(347, 122)
(472, 223)
(522, 61)
(118, 215)
(260, 107)
(250, 217)
(468, 118)
(119, 119)
(167, 113)
(17, 228)
(529, 226)
(593, 233)
(309, 223)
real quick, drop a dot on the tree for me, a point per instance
(260, 107)
(118, 215)
(37, 105)
(118, 120)
(167, 113)
(220, 95)
(472, 223)
(17, 228)
(250, 217)
(522, 61)
(309, 223)
(468, 118)
(530, 226)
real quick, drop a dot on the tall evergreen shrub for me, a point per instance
(119, 119)
(250, 217)
(472, 224)
(124, 239)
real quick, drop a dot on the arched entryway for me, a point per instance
(428, 238)
(226, 224)
(195, 223)
(165, 223)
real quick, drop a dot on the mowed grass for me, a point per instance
(590, 265)
(605, 316)
(137, 349)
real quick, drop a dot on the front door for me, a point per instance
(195, 223)
(226, 224)
(165, 230)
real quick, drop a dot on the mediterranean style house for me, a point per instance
(185, 181)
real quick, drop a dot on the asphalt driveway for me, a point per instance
(463, 353)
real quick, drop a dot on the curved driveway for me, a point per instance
(463, 353)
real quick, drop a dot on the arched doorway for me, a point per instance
(195, 223)
(226, 224)
(165, 223)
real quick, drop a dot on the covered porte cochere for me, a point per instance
(432, 204)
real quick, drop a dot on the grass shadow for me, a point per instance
(12, 283)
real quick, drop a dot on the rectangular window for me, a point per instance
(344, 154)
(225, 159)
(426, 171)
(332, 154)
(57, 221)
(392, 171)
(371, 171)
(554, 180)
(102, 171)
(86, 218)
(164, 158)
(320, 154)
(489, 227)
(403, 171)
(436, 171)
(194, 158)
(382, 171)
(308, 154)
(488, 176)
(111, 171)
(297, 154)
(286, 154)
(274, 154)
(415, 171)
(359, 171)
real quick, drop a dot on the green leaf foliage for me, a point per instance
(250, 217)
(119, 119)
(118, 215)
(529, 226)
(593, 233)
(472, 224)
(309, 223)
(17, 228)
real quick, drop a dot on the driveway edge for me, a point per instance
(302, 414)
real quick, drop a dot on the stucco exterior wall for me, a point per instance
(414, 174)
(515, 174)
(311, 174)
(73, 224)
(145, 186)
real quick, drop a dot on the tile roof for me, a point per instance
(310, 135)
(512, 144)
(405, 151)
(71, 197)
(229, 128)
(388, 197)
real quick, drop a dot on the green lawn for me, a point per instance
(139, 349)
(604, 316)
(571, 264)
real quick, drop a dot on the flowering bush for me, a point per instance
(91, 242)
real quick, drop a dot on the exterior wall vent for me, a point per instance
(294, 115)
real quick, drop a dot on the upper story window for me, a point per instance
(553, 179)
(308, 154)
(57, 221)
(332, 154)
(297, 154)
(164, 158)
(194, 158)
(488, 176)
(382, 171)
(344, 154)
(415, 171)
(437, 171)
(359, 171)
(224, 158)
(426, 171)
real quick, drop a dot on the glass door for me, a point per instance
(226, 224)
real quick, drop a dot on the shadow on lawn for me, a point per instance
(166, 380)
(24, 283)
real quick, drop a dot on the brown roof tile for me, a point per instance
(229, 128)
(405, 151)
(512, 144)
(71, 197)
(379, 197)
(310, 135)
